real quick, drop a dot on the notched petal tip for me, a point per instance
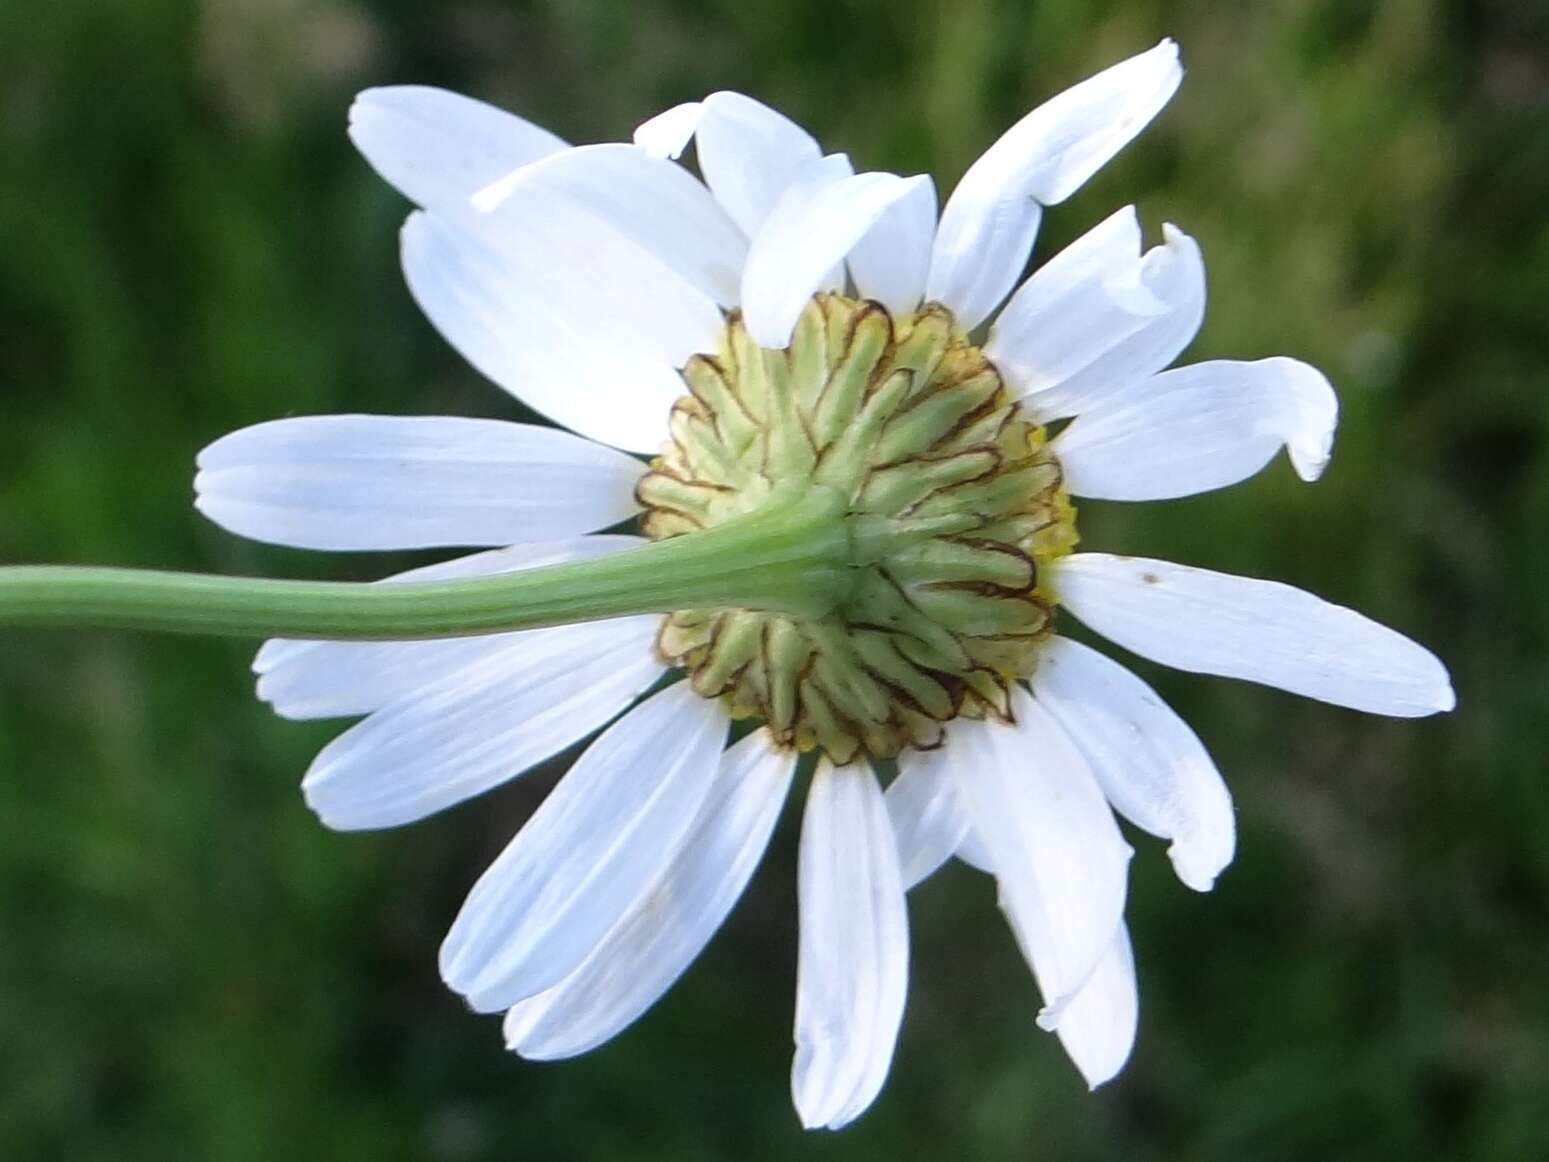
(1196, 869)
(1313, 415)
(1444, 698)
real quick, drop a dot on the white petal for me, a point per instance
(483, 723)
(668, 133)
(749, 154)
(333, 679)
(1098, 316)
(1201, 427)
(890, 262)
(1173, 275)
(971, 850)
(438, 147)
(853, 959)
(576, 321)
(1098, 1026)
(1152, 767)
(671, 919)
(654, 203)
(395, 482)
(979, 253)
(1057, 853)
(615, 821)
(922, 805)
(809, 232)
(1259, 631)
(989, 223)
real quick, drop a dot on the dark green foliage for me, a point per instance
(192, 967)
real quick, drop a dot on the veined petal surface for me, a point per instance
(749, 154)
(1259, 631)
(653, 202)
(396, 482)
(1196, 428)
(990, 221)
(482, 723)
(304, 679)
(566, 314)
(1099, 316)
(615, 821)
(673, 917)
(808, 233)
(853, 958)
(928, 823)
(438, 147)
(1097, 1027)
(1049, 835)
(1152, 767)
(891, 261)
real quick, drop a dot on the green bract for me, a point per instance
(950, 498)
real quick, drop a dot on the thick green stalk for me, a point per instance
(791, 555)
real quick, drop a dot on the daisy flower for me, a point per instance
(783, 335)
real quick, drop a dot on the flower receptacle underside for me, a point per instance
(951, 501)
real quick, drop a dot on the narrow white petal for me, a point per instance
(655, 203)
(890, 262)
(396, 482)
(853, 958)
(1057, 853)
(481, 724)
(927, 821)
(749, 154)
(576, 321)
(979, 253)
(1172, 276)
(602, 275)
(438, 147)
(1098, 316)
(1259, 631)
(1068, 292)
(614, 821)
(808, 233)
(1201, 427)
(669, 132)
(1152, 767)
(989, 223)
(1098, 1025)
(334, 679)
(671, 919)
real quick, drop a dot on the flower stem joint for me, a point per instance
(949, 500)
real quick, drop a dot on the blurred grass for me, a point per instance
(191, 967)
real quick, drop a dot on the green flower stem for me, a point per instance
(791, 555)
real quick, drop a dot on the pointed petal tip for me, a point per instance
(1097, 1079)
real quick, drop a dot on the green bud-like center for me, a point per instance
(951, 501)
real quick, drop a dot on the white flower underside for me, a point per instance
(581, 280)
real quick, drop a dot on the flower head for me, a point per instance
(781, 333)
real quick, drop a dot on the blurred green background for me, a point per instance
(192, 967)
